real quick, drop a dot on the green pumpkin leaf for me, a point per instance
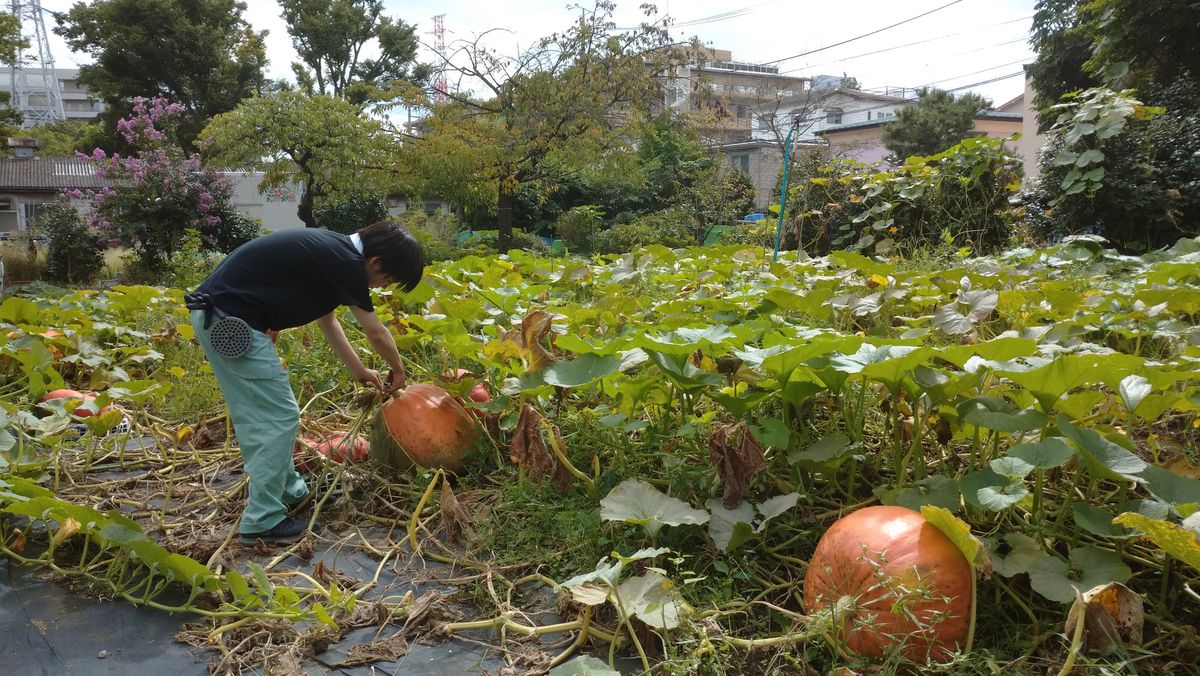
(971, 484)
(653, 599)
(832, 447)
(730, 528)
(1022, 553)
(1169, 486)
(1095, 520)
(936, 490)
(1044, 454)
(584, 665)
(1012, 467)
(1178, 542)
(640, 503)
(1102, 457)
(1134, 388)
(581, 370)
(996, 413)
(1000, 498)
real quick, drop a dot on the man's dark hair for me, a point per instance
(400, 256)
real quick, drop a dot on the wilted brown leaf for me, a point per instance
(455, 519)
(388, 649)
(528, 449)
(18, 544)
(534, 328)
(209, 435)
(431, 608)
(1114, 614)
(738, 457)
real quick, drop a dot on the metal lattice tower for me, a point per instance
(35, 88)
(439, 44)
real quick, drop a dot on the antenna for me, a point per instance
(35, 87)
(439, 44)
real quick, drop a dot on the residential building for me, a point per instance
(77, 101)
(761, 160)
(824, 107)
(723, 97)
(28, 182)
(863, 141)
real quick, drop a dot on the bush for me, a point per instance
(434, 248)
(760, 233)
(671, 228)
(961, 195)
(484, 243)
(578, 227)
(350, 213)
(74, 254)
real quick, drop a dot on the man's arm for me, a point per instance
(381, 340)
(332, 329)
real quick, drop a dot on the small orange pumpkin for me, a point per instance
(887, 560)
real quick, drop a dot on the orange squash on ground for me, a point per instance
(909, 584)
(82, 412)
(479, 393)
(426, 426)
(353, 451)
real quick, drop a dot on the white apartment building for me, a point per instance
(76, 102)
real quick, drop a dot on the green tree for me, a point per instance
(11, 43)
(1063, 46)
(935, 122)
(352, 212)
(332, 38)
(671, 157)
(63, 138)
(200, 53)
(327, 144)
(555, 107)
(75, 253)
(1137, 42)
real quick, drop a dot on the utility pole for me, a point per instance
(35, 88)
(439, 44)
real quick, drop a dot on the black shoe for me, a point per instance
(285, 531)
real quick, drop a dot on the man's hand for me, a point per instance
(396, 380)
(370, 377)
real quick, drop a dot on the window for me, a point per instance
(740, 162)
(432, 208)
(833, 115)
(740, 112)
(33, 212)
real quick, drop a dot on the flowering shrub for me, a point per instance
(156, 195)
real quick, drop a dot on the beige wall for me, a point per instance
(1031, 141)
(866, 145)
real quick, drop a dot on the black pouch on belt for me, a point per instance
(229, 336)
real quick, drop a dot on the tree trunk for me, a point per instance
(504, 240)
(305, 210)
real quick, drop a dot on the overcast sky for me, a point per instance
(962, 41)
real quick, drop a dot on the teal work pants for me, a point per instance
(266, 419)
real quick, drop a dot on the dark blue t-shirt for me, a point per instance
(289, 278)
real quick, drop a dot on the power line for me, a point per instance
(918, 42)
(864, 35)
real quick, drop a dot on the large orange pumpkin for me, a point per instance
(426, 426)
(908, 584)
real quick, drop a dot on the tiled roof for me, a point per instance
(47, 174)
